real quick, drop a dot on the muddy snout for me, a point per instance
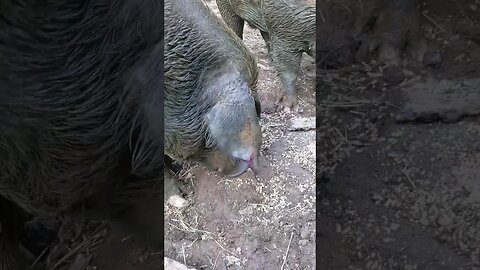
(231, 167)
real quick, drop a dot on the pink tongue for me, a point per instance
(250, 164)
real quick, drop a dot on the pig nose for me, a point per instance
(250, 160)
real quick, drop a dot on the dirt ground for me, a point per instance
(400, 164)
(248, 223)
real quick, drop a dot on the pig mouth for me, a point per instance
(239, 168)
(230, 166)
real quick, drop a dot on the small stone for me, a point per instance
(394, 226)
(304, 232)
(377, 197)
(177, 201)
(231, 260)
(170, 264)
(303, 242)
(338, 228)
(432, 58)
(302, 124)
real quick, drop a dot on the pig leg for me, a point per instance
(287, 64)
(266, 38)
(233, 21)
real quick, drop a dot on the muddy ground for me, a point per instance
(248, 223)
(403, 194)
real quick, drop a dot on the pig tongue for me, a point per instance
(253, 167)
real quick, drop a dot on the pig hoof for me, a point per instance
(287, 104)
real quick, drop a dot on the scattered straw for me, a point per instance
(126, 238)
(216, 259)
(404, 171)
(185, 226)
(321, 15)
(434, 22)
(409, 178)
(40, 256)
(286, 253)
(96, 234)
(224, 249)
(183, 254)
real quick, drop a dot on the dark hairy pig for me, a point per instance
(211, 105)
(288, 29)
(81, 100)
(390, 27)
